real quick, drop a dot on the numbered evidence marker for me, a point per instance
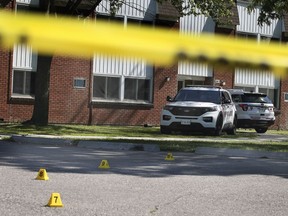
(42, 175)
(55, 200)
(169, 157)
(104, 165)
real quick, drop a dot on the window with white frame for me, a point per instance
(24, 64)
(257, 37)
(133, 90)
(126, 80)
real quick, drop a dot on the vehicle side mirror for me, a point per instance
(226, 101)
(168, 98)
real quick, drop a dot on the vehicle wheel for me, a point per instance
(164, 130)
(261, 130)
(232, 130)
(218, 129)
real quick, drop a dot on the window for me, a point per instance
(125, 22)
(133, 90)
(79, 83)
(23, 82)
(24, 65)
(137, 89)
(106, 87)
(286, 97)
(122, 80)
(257, 37)
(246, 36)
(225, 97)
(189, 83)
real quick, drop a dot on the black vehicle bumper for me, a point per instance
(248, 123)
(193, 127)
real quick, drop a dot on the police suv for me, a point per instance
(200, 108)
(254, 110)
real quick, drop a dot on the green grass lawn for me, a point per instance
(110, 132)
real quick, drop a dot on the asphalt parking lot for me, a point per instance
(139, 182)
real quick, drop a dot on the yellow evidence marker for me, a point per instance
(42, 175)
(104, 165)
(55, 200)
(169, 157)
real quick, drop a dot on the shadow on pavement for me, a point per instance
(136, 163)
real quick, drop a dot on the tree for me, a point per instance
(270, 9)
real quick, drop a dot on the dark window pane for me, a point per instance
(99, 84)
(143, 90)
(113, 86)
(18, 82)
(24, 82)
(32, 83)
(130, 89)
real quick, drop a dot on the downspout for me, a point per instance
(90, 86)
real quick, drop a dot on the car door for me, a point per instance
(228, 108)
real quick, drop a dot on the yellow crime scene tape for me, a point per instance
(69, 36)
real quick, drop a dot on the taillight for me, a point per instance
(244, 107)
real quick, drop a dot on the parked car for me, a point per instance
(199, 109)
(254, 110)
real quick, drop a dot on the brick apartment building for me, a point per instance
(110, 90)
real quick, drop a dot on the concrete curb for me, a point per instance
(85, 143)
(118, 146)
(42, 140)
(240, 153)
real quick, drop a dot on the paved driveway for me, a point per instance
(139, 183)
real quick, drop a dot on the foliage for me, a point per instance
(217, 9)
(270, 9)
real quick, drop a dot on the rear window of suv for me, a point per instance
(251, 98)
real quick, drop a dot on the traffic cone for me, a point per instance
(55, 200)
(42, 175)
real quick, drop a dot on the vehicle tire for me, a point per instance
(232, 130)
(261, 130)
(164, 130)
(219, 123)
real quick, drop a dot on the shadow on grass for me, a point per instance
(109, 131)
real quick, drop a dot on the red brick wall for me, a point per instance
(223, 72)
(66, 103)
(4, 77)
(4, 71)
(282, 122)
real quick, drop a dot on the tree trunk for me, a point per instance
(42, 81)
